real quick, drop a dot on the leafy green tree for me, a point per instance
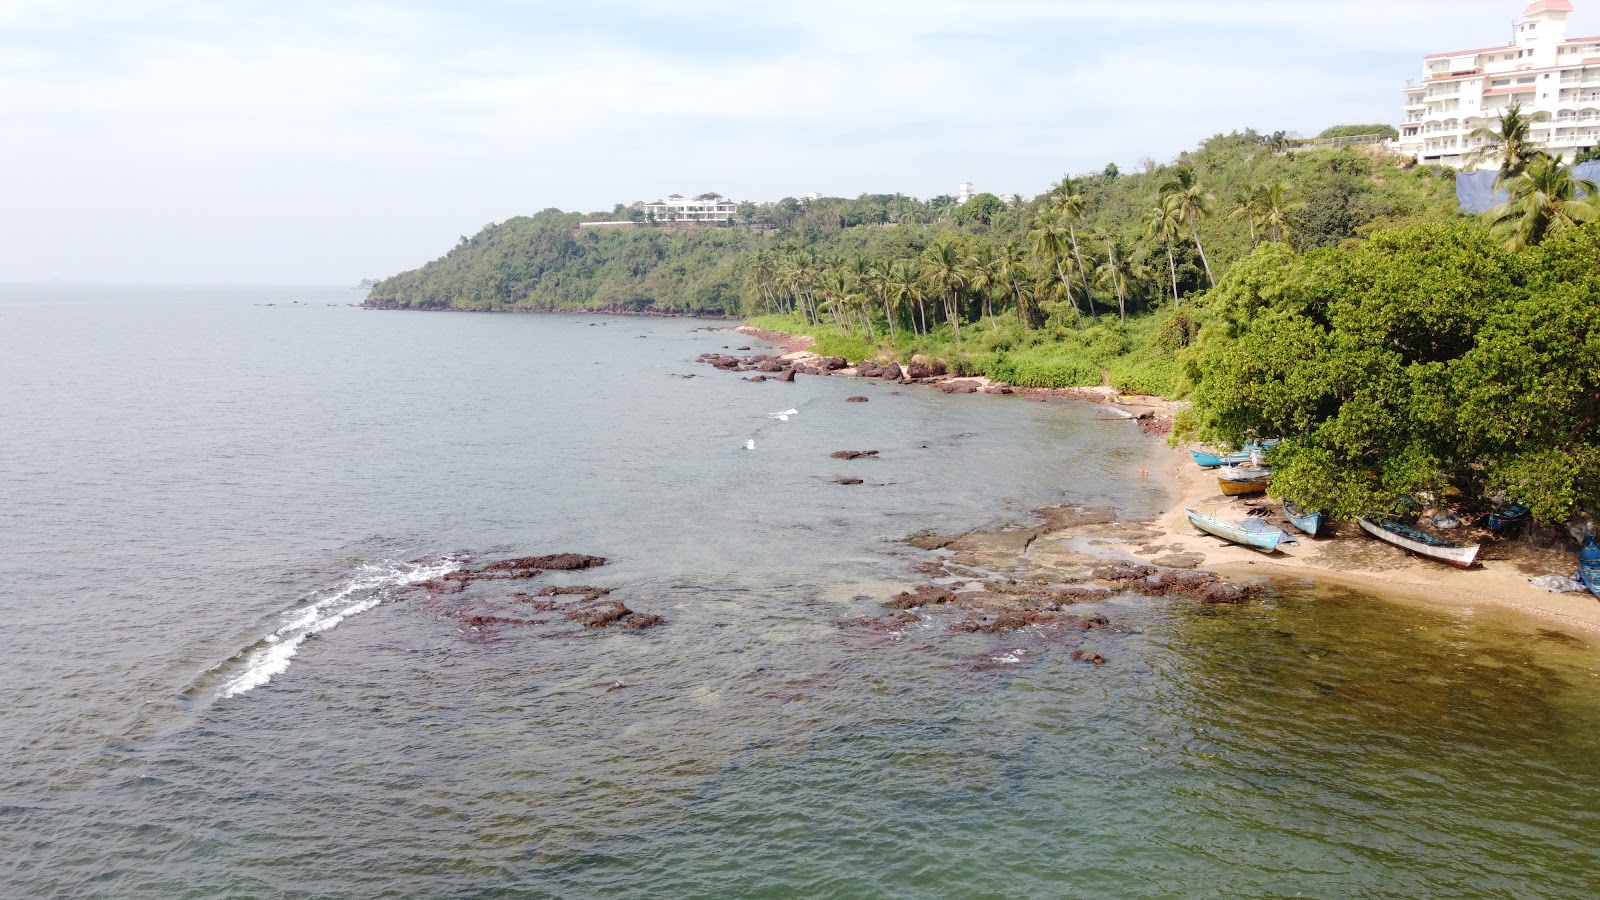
(944, 272)
(1425, 361)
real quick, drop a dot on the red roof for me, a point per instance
(1539, 6)
(1469, 52)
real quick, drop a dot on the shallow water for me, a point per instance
(217, 683)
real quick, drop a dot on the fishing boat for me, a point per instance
(1240, 488)
(1421, 543)
(1309, 522)
(1589, 565)
(1245, 473)
(1205, 459)
(1509, 520)
(1234, 533)
(1258, 525)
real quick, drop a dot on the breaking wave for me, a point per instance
(367, 587)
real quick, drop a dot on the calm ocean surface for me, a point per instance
(216, 682)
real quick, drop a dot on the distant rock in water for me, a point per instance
(855, 400)
(855, 454)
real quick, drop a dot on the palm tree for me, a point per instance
(1194, 205)
(1275, 212)
(1049, 240)
(1011, 267)
(944, 271)
(984, 276)
(1163, 224)
(1544, 199)
(1511, 145)
(1248, 207)
(1070, 201)
(1119, 271)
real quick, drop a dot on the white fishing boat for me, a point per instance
(1421, 543)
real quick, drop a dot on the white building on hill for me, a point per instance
(713, 208)
(1542, 69)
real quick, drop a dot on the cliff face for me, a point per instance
(544, 263)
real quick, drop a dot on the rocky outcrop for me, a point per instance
(961, 386)
(855, 454)
(1156, 582)
(926, 595)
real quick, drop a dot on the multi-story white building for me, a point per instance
(713, 208)
(1541, 68)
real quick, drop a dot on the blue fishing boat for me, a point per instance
(1234, 533)
(1205, 459)
(1589, 565)
(1309, 522)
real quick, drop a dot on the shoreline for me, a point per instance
(553, 311)
(1342, 557)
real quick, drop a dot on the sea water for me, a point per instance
(220, 679)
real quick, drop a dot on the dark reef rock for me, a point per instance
(1153, 582)
(926, 595)
(786, 375)
(855, 454)
(855, 400)
(849, 482)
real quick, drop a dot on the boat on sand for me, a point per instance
(1421, 543)
(1309, 522)
(1234, 533)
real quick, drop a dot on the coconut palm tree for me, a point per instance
(945, 273)
(1011, 267)
(1544, 199)
(1511, 145)
(1163, 224)
(1119, 271)
(1247, 206)
(1275, 211)
(1050, 244)
(1194, 205)
(983, 268)
(1068, 199)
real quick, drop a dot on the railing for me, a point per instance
(1335, 143)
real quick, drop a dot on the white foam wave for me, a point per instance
(368, 587)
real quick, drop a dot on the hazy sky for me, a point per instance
(281, 141)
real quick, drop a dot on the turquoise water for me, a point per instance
(193, 481)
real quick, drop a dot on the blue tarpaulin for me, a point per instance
(1475, 190)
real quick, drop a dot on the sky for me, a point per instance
(293, 142)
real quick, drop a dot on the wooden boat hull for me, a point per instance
(1241, 488)
(1462, 557)
(1233, 533)
(1509, 520)
(1310, 523)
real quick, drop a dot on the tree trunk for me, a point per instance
(1087, 297)
(922, 307)
(1195, 230)
(1172, 265)
(1067, 285)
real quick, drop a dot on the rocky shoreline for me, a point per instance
(625, 312)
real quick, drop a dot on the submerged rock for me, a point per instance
(855, 399)
(1153, 582)
(855, 454)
